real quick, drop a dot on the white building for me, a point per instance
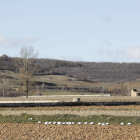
(135, 92)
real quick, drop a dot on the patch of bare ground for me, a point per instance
(15, 131)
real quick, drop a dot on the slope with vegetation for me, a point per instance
(66, 76)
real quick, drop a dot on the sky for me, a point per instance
(72, 30)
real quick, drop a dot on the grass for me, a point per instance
(82, 111)
(59, 80)
(23, 118)
(62, 80)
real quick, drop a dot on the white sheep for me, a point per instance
(54, 122)
(129, 123)
(103, 123)
(59, 122)
(79, 123)
(67, 122)
(49, 122)
(91, 122)
(107, 123)
(122, 123)
(73, 122)
(30, 119)
(46, 123)
(85, 122)
(64, 123)
(39, 122)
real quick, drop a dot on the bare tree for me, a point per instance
(27, 66)
(4, 86)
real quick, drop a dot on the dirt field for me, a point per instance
(16, 131)
(34, 131)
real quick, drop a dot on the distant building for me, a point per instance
(135, 92)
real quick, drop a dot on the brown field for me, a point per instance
(15, 131)
(34, 131)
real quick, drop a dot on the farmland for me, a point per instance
(58, 132)
(15, 123)
(53, 83)
(80, 110)
(64, 85)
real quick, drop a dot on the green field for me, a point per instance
(24, 118)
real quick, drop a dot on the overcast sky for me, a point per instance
(75, 30)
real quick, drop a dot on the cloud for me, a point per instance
(13, 42)
(133, 52)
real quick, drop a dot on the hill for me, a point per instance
(74, 77)
(84, 71)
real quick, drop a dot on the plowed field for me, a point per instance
(34, 131)
(16, 131)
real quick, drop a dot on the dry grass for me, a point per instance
(121, 107)
(73, 112)
(78, 112)
(82, 111)
(60, 80)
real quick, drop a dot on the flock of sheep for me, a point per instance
(70, 123)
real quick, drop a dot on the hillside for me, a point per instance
(84, 71)
(65, 77)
